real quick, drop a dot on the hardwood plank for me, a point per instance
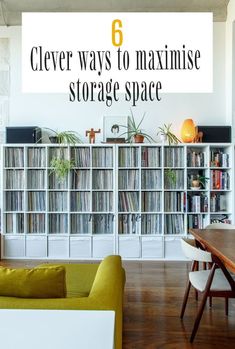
(153, 297)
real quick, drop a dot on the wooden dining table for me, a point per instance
(219, 242)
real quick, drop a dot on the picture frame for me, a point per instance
(114, 127)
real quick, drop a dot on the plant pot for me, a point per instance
(163, 138)
(54, 139)
(139, 139)
(195, 184)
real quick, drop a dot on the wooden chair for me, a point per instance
(215, 282)
(223, 226)
(220, 226)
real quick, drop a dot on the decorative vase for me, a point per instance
(139, 139)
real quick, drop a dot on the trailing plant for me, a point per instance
(63, 137)
(60, 166)
(133, 129)
(171, 176)
(170, 136)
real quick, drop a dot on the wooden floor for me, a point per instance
(153, 296)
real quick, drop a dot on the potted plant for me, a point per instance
(199, 182)
(170, 176)
(134, 131)
(59, 165)
(166, 134)
(63, 137)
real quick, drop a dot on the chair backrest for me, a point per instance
(220, 226)
(194, 253)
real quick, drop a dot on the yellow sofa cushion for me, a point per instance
(47, 282)
(79, 278)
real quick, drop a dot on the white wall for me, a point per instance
(230, 66)
(55, 111)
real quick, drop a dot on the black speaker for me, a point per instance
(24, 134)
(215, 134)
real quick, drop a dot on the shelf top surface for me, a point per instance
(111, 145)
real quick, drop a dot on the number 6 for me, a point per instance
(117, 32)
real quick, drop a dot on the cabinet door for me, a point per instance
(152, 247)
(103, 246)
(173, 248)
(14, 247)
(58, 247)
(80, 247)
(129, 247)
(36, 246)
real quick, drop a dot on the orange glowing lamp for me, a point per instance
(188, 131)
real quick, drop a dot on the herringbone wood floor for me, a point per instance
(153, 296)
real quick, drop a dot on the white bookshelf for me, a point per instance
(118, 199)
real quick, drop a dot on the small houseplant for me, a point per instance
(170, 178)
(134, 132)
(199, 182)
(59, 165)
(63, 137)
(166, 134)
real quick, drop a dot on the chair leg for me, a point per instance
(226, 306)
(185, 299)
(196, 268)
(199, 316)
(210, 302)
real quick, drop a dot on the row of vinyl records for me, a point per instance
(146, 224)
(101, 202)
(84, 224)
(80, 179)
(174, 224)
(58, 201)
(196, 158)
(134, 224)
(129, 179)
(128, 201)
(103, 179)
(98, 179)
(219, 158)
(174, 157)
(103, 156)
(36, 157)
(58, 223)
(151, 157)
(81, 157)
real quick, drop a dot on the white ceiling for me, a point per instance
(12, 9)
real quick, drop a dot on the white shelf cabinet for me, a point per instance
(134, 200)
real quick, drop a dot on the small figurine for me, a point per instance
(198, 136)
(91, 134)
